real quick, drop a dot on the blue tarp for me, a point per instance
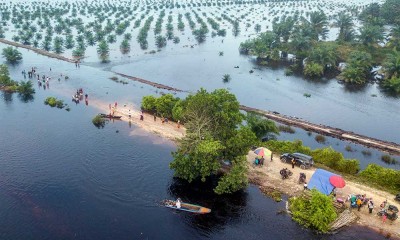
(320, 181)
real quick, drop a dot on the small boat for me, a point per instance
(187, 207)
(103, 115)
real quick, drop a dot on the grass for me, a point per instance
(348, 148)
(54, 102)
(98, 121)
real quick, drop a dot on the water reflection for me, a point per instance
(26, 97)
(7, 96)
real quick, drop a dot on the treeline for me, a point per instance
(303, 37)
(373, 174)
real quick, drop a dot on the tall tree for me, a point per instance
(345, 24)
(103, 51)
(371, 34)
(214, 132)
(391, 66)
(12, 55)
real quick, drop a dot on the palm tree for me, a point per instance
(257, 28)
(125, 47)
(371, 34)
(12, 55)
(226, 78)
(58, 45)
(324, 54)
(391, 66)
(345, 24)
(161, 41)
(103, 51)
(319, 25)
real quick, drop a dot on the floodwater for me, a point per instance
(62, 178)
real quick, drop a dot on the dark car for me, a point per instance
(302, 160)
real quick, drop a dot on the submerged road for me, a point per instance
(389, 147)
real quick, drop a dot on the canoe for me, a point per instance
(187, 207)
(109, 116)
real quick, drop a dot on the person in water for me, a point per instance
(178, 203)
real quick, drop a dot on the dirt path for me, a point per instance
(390, 147)
(37, 50)
(268, 176)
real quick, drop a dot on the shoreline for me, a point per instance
(267, 177)
(369, 142)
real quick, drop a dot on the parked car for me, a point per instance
(302, 160)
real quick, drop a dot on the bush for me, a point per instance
(53, 102)
(313, 70)
(287, 146)
(165, 104)
(385, 177)
(335, 160)
(149, 103)
(99, 122)
(317, 213)
(388, 159)
(320, 138)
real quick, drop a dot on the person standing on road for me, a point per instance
(370, 206)
(293, 162)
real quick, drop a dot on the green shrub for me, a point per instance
(287, 146)
(320, 139)
(335, 160)
(54, 102)
(149, 103)
(98, 121)
(317, 213)
(313, 70)
(388, 178)
(165, 104)
(388, 159)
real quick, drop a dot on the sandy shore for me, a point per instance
(268, 176)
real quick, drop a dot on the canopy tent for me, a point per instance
(320, 181)
(262, 151)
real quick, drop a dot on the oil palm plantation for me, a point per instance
(392, 65)
(103, 50)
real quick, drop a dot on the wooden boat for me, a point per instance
(187, 207)
(103, 115)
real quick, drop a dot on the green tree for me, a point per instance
(257, 28)
(324, 54)
(12, 55)
(125, 47)
(358, 68)
(371, 34)
(149, 103)
(5, 79)
(346, 27)
(391, 66)
(165, 104)
(213, 133)
(392, 85)
(161, 41)
(390, 11)
(317, 213)
(260, 126)
(26, 88)
(319, 25)
(103, 51)
(236, 179)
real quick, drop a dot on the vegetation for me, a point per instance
(25, 89)
(54, 102)
(214, 132)
(261, 127)
(317, 212)
(12, 55)
(98, 121)
(382, 177)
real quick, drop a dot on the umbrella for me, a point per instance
(262, 151)
(337, 181)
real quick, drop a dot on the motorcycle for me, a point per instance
(285, 173)
(302, 178)
(390, 212)
(397, 198)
